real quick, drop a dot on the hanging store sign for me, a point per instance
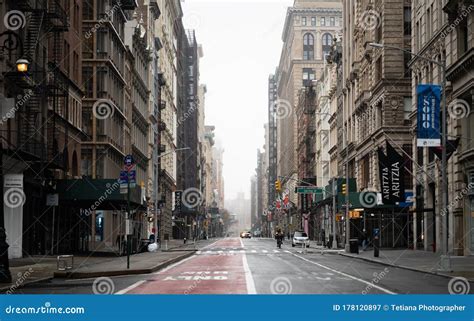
(429, 134)
(392, 176)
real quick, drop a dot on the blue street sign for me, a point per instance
(124, 175)
(129, 161)
(133, 177)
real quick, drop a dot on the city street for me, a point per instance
(257, 266)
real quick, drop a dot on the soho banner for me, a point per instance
(429, 97)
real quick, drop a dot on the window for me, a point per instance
(332, 21)
(463, 37)
(327, 44)
(407, 108)
(323, 21)
(378, 69)
(303, 21)
(313, 21)
(429, 23)
(308, 76)
(407, 21)
(406, 60)
(308, 47)
(365, 171)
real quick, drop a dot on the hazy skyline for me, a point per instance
(242, 45)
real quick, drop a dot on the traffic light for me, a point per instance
(344, 189)
(278, 186)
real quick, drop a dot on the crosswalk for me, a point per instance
(234, 251)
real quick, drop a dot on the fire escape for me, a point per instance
(47, 84)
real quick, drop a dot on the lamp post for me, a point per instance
(156, 202)
(446, 263)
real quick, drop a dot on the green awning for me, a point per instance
(97, 194)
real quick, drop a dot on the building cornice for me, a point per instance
(316, 11)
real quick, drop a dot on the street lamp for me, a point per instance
(444, 177)
(22, 65)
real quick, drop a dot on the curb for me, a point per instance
(24, 284)
(87, 275)
(403, 267)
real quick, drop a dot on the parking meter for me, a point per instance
(376, 241)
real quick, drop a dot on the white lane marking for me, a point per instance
(248, 274)
(276, 251)
(264, 251)
(347, 275)
(137, 284)
(254, 251)
(130, 288)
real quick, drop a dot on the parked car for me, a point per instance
(246, 235)
(300, 239)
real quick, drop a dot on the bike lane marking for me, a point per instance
(248, 274)
(216, 274)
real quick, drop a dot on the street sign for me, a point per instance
(309, 190)
(124, 176)
(52, 200)
(129, 161)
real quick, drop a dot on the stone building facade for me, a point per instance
(308, 33)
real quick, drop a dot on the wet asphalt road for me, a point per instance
(257, 266)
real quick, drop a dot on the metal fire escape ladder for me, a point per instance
(58, 86)
(30, 138)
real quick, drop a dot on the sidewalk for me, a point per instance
(41, 268)
(421, 261)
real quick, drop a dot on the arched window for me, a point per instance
(308, 47)
(327, 44)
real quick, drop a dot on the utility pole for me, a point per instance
(334, 211)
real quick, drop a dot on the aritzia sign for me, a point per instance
(392, 175)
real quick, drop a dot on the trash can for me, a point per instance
(354, 246)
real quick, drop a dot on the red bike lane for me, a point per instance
(216, 273)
